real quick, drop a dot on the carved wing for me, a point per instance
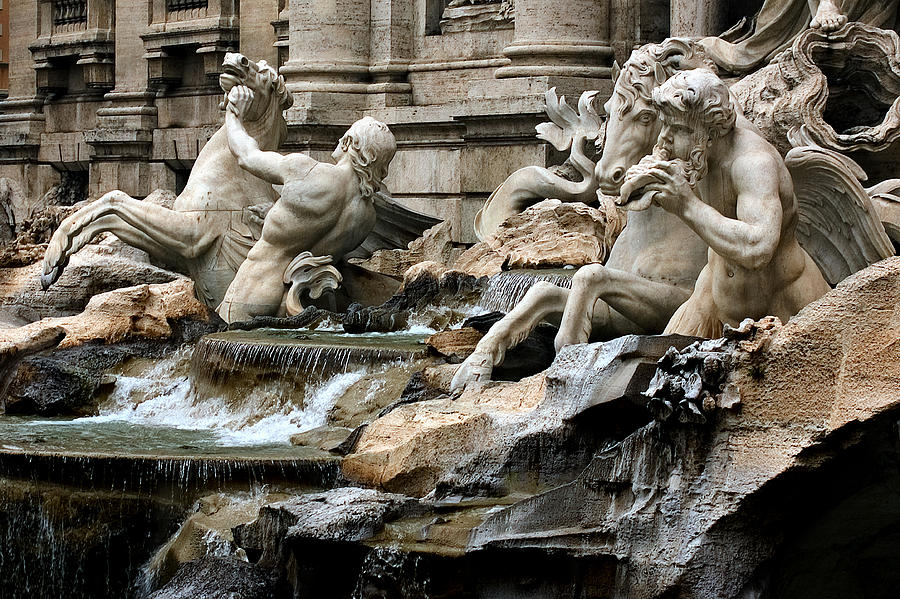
(395, 226)
(838, 225)
(887, 202)
(567, 123)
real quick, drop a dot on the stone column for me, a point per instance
(329, 46)
(698, 18)
(257, 34)
(390, 49)
(567, 38)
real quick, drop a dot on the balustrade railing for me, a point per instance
(68, 12)
(178, 5)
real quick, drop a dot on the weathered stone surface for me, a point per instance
(435, 245)
(549, 234)
(671, 504)
(96, 269)
(345, 515)
(141, 311)
(326, 438)
(148, 320)
(206, 533)
(431, 295)
(455, 344)
(12, 353)
(470, 443)
(218, 577)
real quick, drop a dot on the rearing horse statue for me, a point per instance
(215, 220)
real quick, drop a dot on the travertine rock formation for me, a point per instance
(673, 504)
(147, 320)
(471, 442)
(96, 269)
(141, 311)
(435, 245)
(549, 234)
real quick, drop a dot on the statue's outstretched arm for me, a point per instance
(269, 166)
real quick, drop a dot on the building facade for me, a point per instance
(124, 93)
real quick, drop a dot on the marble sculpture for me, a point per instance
(747, 215)
(654, 264)
(216, 218)
(230, 211)
(325, 211)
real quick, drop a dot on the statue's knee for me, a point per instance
(542, 288)
(589, 276)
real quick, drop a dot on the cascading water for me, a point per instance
(305, 354)
(218, 417)
(506, 289)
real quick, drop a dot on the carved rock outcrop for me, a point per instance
(841, 88)
(671, 503)
(549, 234)
(472, 442)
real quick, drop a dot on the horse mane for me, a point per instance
(652, 64)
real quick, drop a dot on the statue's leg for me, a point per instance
(647, 304)
(542, 300)
(167, 235)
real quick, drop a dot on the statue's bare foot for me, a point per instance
(475, 370)
(828, 18)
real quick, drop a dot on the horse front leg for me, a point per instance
(542, 300)
(169, 236)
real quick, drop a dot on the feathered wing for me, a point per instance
(838, 224)
(395, 227)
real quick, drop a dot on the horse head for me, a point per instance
(264, 119)
(632, 124)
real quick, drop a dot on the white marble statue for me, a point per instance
(732, 188)
(326, 210)
(780, 21)
(209, 230)
(654, 262)
(219, 215)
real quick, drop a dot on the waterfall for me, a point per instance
(306, 354)
(506, 289)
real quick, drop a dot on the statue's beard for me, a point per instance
(696, 166)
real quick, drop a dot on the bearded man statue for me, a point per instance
(732, 188)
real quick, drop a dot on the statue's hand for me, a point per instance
(239, 100)
(670, 190)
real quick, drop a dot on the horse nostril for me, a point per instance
(618, 174)
(244, 61)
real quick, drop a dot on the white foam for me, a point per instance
(266, 417)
